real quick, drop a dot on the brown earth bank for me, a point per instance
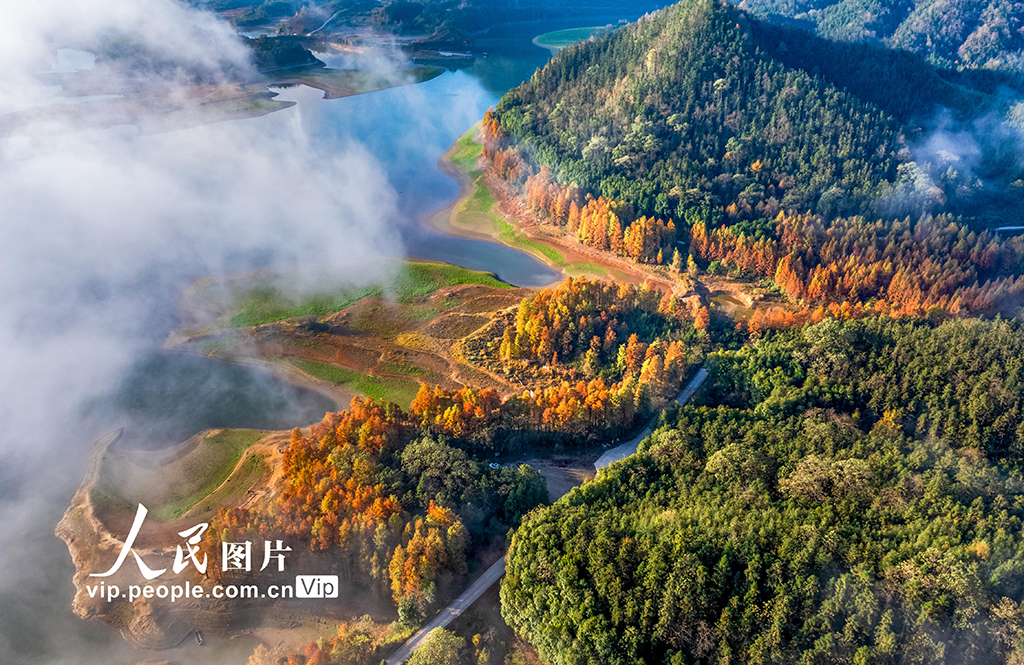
(733, 297)
(446, 337)
(420, 341)
(507, 208)
(94, 531)
(433, 334)
(96, 523)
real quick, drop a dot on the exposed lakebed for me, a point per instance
(167, 397)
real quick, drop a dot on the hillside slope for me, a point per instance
(955, 33)
(699, 112)
(841, 498)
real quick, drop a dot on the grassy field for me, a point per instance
(174, 488)
(399, 391)
(205, 469)
(477, 210)
(576, 269)
(266, 303)
(467, 151)
(559, 39)
(398, 368)
(251, 471)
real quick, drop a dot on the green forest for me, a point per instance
(846, 490)
(848, 485)
(983, 33)
(842, 493)
(701, 113)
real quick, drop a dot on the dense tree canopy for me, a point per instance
(978, 33)
(596, 359)
(698, 112)
(393, 506)
(849, 492)
(934, 266)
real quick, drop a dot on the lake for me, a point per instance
(167, 397)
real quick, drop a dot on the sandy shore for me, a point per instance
(443, 220)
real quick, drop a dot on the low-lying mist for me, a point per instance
(101, 229)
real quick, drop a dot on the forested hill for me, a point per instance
(955, 33)
(849, 493)
(699, 112)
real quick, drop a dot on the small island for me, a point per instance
(557, 40)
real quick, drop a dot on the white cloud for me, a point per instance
(98, 227)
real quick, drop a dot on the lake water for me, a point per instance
(168, 397)
(195, 393)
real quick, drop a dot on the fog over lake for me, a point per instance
(103, 228)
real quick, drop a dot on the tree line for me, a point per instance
(849, 492)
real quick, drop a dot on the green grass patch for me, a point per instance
(213, 461)
(422, 314)
(399, 391)
(175, 487)
(584, 268)
(266, 303)
(467, 151)
(559, 39)
(399, 368)
(373, 320)
(302, 343)
(251, 470)
(107, 499)
(479, 201)
(507, 234)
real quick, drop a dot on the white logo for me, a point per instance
(234, 556)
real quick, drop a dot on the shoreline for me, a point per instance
(443, 220)
(178, 342)
(206, 332)
(340, 395)
(162, 633)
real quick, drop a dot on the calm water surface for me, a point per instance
(168, 397)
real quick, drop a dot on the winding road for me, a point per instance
(448, 614)
(494, 573)
(625, 450)
(333, 16)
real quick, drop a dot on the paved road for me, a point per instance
(492, 574)
(629, 448)
(448, 614)
(333, 16)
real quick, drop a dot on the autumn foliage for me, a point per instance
(374, 488)
(851, 267)
(434, 546)
(463, 414)
(605, 225)
(600, 358)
